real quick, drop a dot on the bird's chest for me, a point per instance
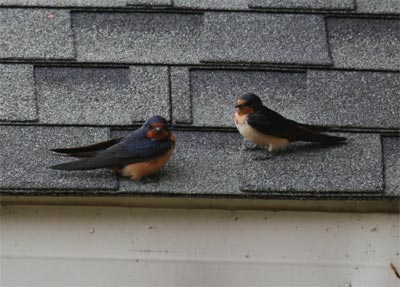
(141, 169)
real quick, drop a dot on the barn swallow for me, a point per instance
(141, 153)
(263, 126)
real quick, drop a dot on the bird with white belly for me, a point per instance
(263, 126)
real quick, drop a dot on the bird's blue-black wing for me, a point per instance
(273, 124)
(131, 149)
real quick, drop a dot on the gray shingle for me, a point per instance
(65, 3)
(180, 95)
(365, 43)
(137, 37)
(214, 93)
(101, 96)
(391, 159)
(86, 3)
(149, 92)
(355, 167)
(212, 4)
(203, 163)
(162, 3)
(25, 158)
(304, 4)
(35, 34)
(84, 96)
(265, 38)
(379, 6)
(355, 99)
(17, 93)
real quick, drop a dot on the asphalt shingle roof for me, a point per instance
(84, 95)
(25, 158)
(355, 167)
(265, 38)
(78, 72)
(355, 99)
(17, 95)
(212, 4)
(379, 6)
(137, 37)
(365, 43)
(304, 4)
(36, 34)
(214, 92)
(391, 152)
(181, 100)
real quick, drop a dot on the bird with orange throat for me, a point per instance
(263, 126)
(137, 155)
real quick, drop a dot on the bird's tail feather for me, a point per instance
(80, 155)
(312, 136)
(74, 165)
(86, 150)
(315, 128)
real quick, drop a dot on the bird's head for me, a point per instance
(247, 104)
(157, 128)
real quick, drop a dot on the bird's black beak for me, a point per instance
(238, 106)
(158, 129)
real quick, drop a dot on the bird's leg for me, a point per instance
(274, 148)
(262, 155)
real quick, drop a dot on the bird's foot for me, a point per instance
(275, 149)
(260, 156)
(248, 146)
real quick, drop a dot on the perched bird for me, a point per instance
(263, 126)
(141, 153)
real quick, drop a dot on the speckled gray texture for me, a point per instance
(149, 90)
(112, 64)
(304, 4)
(86, 3)
(365, 43)
(265, 38)
(203, 163)
(101, 96)
(391, 159)
(35, 34)
(137, 37)
(66, 3)
(213, 4)
(180, 95)
(162, 3)
(25, 158)
(214, 93)
(355, 167)
(17, 93)
(354, 99)
(84, 96)
(379, 6)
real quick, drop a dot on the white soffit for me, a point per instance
(109, 246)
